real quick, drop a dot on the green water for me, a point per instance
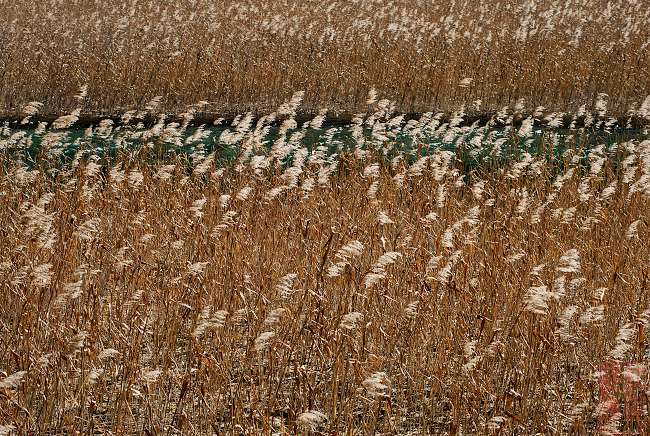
(472, 147)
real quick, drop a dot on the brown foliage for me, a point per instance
(196, 299)
(251, 55)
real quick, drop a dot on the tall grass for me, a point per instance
(295, 290)
(251, 55)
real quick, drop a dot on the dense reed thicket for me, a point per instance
(251, 55)
(494, 283)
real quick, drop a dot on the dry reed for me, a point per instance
(299, 290)
(251, 55)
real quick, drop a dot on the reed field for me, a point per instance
(251, 55)
(324, 217)
(420, 277)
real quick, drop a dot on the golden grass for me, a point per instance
(251, 55)
(344, 294)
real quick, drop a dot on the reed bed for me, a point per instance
(251, 55)
(492, 284)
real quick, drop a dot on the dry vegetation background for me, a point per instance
(253, 54)
(356, 289)
(398, 275)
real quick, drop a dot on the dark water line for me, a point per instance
(624, 122)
